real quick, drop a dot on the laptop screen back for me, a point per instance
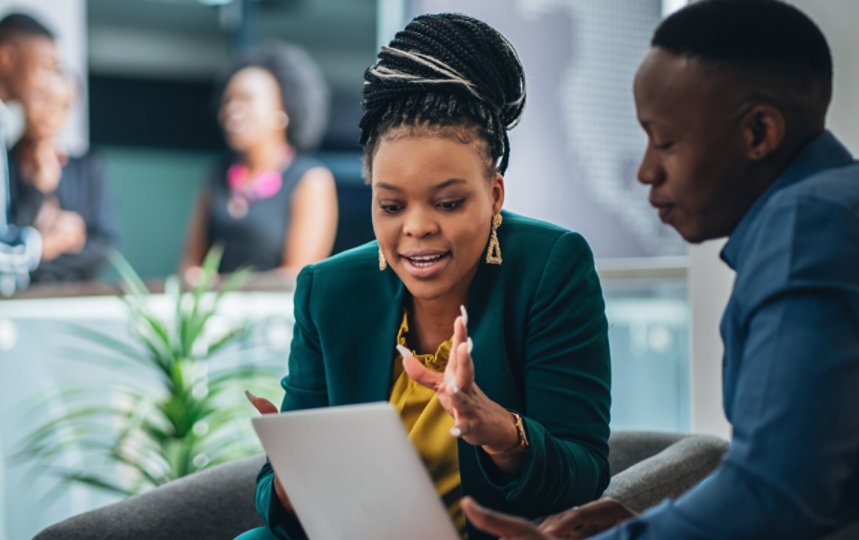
(352, 472)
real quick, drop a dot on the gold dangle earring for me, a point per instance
(382, 262)
(493, 252)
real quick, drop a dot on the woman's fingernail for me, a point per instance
(464, 315)
(403, 351)
(250, 396)
(455, 431)
(470, 344)
(454, 387)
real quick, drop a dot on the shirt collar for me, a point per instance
(823, 152)
(434, 362)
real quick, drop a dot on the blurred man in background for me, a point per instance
(28, 61)
(64, 197)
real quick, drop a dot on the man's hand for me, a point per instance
(504, 526)
(62, 231)
(586, 520)
(578, 522)
(49, 167)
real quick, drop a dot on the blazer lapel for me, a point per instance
(486, 306)
(375, 325)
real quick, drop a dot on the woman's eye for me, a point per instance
(450, 205)
(664, 146)
(390, 208)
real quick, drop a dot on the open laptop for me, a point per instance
(352, 472)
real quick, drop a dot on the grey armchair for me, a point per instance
(647, 467)
(218, 503)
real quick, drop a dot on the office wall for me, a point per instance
(575, 153)
(837, 19)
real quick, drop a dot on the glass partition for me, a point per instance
(47, 348)
(649, 340)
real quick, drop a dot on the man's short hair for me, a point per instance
(21, 24)
(769, 40)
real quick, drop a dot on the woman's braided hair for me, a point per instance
(446, 70)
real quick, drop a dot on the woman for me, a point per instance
(509, 401)
(270, 206)
(64, 197)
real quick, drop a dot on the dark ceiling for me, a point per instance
(186, 38)
(152, 64)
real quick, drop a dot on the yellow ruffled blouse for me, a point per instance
(428, 425)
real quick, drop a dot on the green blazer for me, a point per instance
(540, 349)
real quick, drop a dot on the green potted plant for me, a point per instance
(181, 414)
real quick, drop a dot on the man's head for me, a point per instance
(28, 56)
(729, 92)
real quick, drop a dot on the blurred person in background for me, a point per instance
(268, 204)
(28, 57)
(64, 197)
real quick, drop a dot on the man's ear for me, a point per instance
(764, 129)
(8, 57)
(7, 60)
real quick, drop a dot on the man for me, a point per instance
(732, 96)
(28, 61)
(65, 197)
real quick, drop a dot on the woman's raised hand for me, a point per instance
(477, 419)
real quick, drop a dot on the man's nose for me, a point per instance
(650, 170)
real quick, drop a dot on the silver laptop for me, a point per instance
(352, 472)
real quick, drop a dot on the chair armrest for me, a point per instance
(213, 503)
(684, 461)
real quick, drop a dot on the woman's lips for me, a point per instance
(425, 264)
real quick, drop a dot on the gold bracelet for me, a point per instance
(520, 430)
(521, 444)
